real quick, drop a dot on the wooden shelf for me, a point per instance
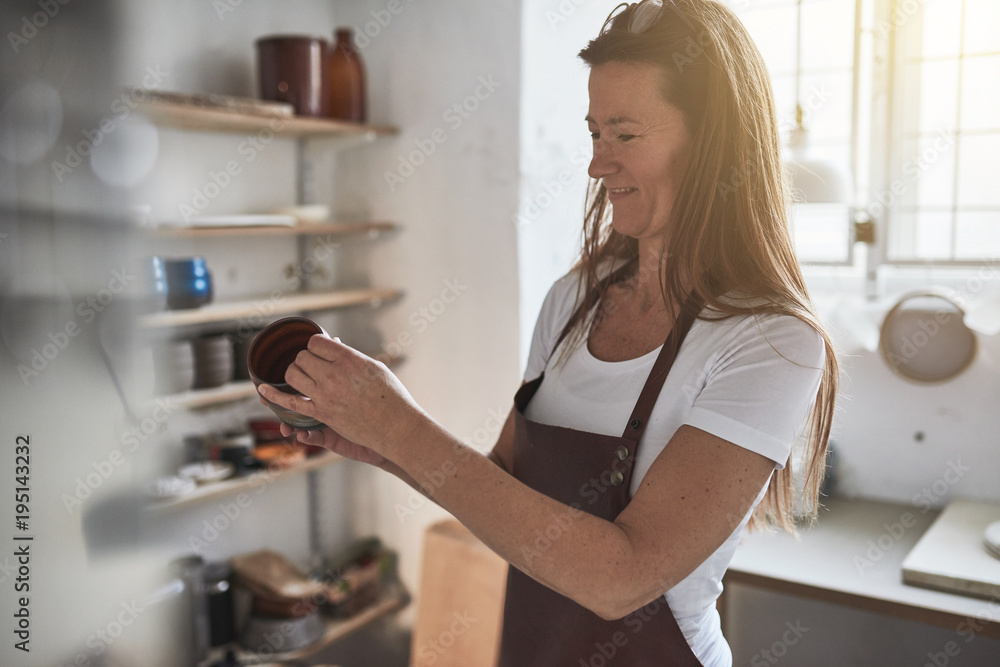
(288, 304)
(336, 629)
(395, 598)
(207, 119)
(235, 391)
(201, 398)
(207, 492)
(326, 229)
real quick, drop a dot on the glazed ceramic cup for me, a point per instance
(272, 352)
(189, 283)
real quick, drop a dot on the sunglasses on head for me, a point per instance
(645, 15)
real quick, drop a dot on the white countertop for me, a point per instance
(853, 556)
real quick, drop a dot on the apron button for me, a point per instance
(635, 424)
(621, 452)
(617, 478)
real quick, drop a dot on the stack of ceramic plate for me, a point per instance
(213, 361)
(174, 367)
(241, 345)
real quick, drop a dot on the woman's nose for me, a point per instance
(602, 163)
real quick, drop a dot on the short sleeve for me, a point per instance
(556, 310)
(760, 389)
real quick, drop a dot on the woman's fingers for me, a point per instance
(327, 349)
(314, 438)
(293, 402)
(314, 364)
(299, 376)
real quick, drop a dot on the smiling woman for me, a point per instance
(641, 146)
(669, 374)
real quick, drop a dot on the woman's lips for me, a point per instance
(616, 194)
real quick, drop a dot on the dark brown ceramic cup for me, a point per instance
(272, 352)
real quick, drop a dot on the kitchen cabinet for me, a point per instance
(207, 119)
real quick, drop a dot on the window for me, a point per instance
(947, 122)
(809, 48)
(902, 98)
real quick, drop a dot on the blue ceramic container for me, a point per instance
(189, 283)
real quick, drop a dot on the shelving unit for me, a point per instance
(192, 117)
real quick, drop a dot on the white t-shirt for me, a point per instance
(727, 380)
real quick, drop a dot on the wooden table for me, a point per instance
(853, 557)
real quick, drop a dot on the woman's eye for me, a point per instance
(626, 137)
(595, 135)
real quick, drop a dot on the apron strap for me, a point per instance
(661, 367)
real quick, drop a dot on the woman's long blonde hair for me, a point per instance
(729, 223)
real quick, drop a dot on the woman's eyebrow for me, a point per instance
(617, 120)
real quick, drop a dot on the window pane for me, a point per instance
(821, 232)
(827, 27)
(773, 30)
(935, 85)
(977, 175)
(933, 234)
(942, 27)
(978, 234)
(928, 171)
(982, 26)
(902, 243)
(981, 93)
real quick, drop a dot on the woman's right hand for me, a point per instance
(336, 443)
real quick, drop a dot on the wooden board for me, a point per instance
(285, 305)
(331, 229)
(208, 119)
(462, 590)
(951, 555)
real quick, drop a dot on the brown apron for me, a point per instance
(592, 473)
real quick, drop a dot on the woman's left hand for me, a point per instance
(355, 395)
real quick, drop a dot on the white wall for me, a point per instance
(455, 208)
(555, 147)
(896, 440)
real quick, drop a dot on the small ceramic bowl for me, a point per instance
(272, 352)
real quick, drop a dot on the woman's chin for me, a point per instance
(633, 229)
